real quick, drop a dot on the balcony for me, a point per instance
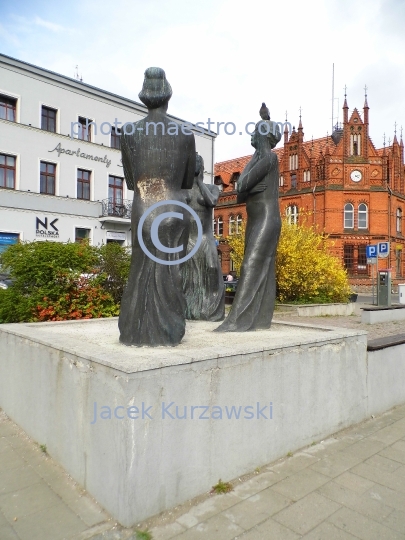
(120, 209)
(116, 212)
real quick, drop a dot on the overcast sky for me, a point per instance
(224, 57)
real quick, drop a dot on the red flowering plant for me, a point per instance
(84, 298)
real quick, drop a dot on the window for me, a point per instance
(293, 162)
(355, 144)
(48, 119)
(238, 224)
(8, 108)
(362, 215)
(348, 257)
(399, 220)
(293, 181)
(8, 239)
(220, 226)
(218, 182)
(349, 216)
(231, 225)
(292, 214)
(234, 179)
(83, 184)
(115, 138)
(85, 129)
(307, 176)
(82, 235)
(7, 171)
(48, 178)
(116, 196)
(362, 260)
(281, 181)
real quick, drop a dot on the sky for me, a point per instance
(223, 58)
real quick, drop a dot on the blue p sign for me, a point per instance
(383, 249)
(371, 252)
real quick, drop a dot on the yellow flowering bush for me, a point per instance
(305, 269)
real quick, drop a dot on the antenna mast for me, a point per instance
(333, 92)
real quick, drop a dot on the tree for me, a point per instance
(305, 269)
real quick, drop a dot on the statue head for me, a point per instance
(266, 132)
(156, 90)
(199, 164)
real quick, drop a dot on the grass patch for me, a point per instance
(43, 448)
(143, 535)
(290, 454)
(222, 487)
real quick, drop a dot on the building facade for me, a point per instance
(341, 184)
(61, 176)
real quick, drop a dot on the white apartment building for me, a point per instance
(55, 187)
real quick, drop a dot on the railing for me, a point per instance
(120, 209)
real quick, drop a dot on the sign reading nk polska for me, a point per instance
(43, 230)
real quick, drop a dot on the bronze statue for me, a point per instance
(159, 162)
(203, 283)
(255, 296)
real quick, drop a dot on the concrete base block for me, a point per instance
(386, 380)
(379, 315)
(319, 310)
(238, 401)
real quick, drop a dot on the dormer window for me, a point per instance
(218, 182)
(234, 179)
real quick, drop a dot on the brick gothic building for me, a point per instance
(348, 188)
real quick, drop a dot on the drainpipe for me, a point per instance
(389, 224)
(313, 193)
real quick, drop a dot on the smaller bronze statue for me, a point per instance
(255, 296)
(203, 284)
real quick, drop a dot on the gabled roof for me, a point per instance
(225, 169)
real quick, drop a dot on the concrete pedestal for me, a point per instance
(238, 401)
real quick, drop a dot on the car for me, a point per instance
(5, 283)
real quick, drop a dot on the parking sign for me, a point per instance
(371, 251)
(383, 249)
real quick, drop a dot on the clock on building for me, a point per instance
(356, 176)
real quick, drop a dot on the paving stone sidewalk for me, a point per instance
(353, 321)
(350, 486)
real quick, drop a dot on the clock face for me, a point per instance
(356, 176)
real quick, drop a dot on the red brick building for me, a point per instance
(351, 190)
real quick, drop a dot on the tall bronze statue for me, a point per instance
(255, 296)
(203, 283)
(158, 157)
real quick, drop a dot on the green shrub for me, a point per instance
(57, 281)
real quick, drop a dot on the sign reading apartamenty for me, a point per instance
(58, 148)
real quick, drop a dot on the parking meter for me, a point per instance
(384, 288)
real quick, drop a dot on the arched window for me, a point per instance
(349, 216)
(293, 162)
(399, 220)
(355, 144)
(363, 216)
(238, 223)
(292, 214)
(231, 229)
